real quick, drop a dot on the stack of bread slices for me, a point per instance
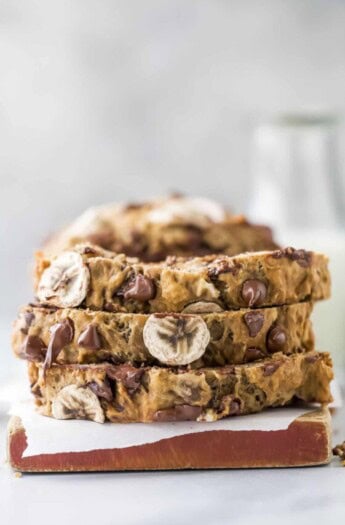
(195, 335)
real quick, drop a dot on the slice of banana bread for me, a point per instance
(91, 277)
(76, 336)
(125, 393)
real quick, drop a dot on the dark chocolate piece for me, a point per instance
(128, 375)
(254, 322)
(253, 354)
(270, 368)
(61, 335)
(276, 339)
(103, 390)
(90, 338)
(33, 348)
(138, 288)
(253, 292)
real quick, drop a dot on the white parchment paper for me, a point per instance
(49, 436)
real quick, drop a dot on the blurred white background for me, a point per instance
(116, 100)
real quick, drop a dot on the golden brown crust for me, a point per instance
(247, 280)
(235, 336)
(128, 394)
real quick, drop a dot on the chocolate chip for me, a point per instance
(302, 257)
(104, 239)
(276, 339)
(110, 307)
(102, 390)
(219, 266)
(253, 292)
(133, 206)
(89, 251)
(118, 407)
(235, 407)
(90, 338)
(178, 413)
(254, 322)
(339, 450)
(36, 390)
(128, 375)
(139, 288)
(61, 335)
(270, 368)
(253, 354)
(194, 237)
(312, 358)
(33, 348)
(216, 329)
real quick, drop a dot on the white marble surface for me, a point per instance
(284, 496)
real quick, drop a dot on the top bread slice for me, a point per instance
(175, 225)
(88, 276)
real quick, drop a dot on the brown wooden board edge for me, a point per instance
(306, 442)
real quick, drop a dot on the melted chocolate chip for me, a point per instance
(90, 338)
(302, 257)
(138, 288)
(276, 339)
(254, 322)
(61, 335)
(102, 390)
(253, 354)
(178, 413)
(33, 348)
(253, 292)
(270, 368)
(128, 375)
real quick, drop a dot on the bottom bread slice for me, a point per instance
(123, 393)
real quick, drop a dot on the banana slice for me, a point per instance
(77, 402)
(65, 282)
(176, 339)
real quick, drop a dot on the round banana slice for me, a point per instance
(65, 282)
(77, 402)
(176, 339)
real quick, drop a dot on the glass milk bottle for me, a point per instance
(297, 188)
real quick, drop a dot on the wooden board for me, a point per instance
(307, 441)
